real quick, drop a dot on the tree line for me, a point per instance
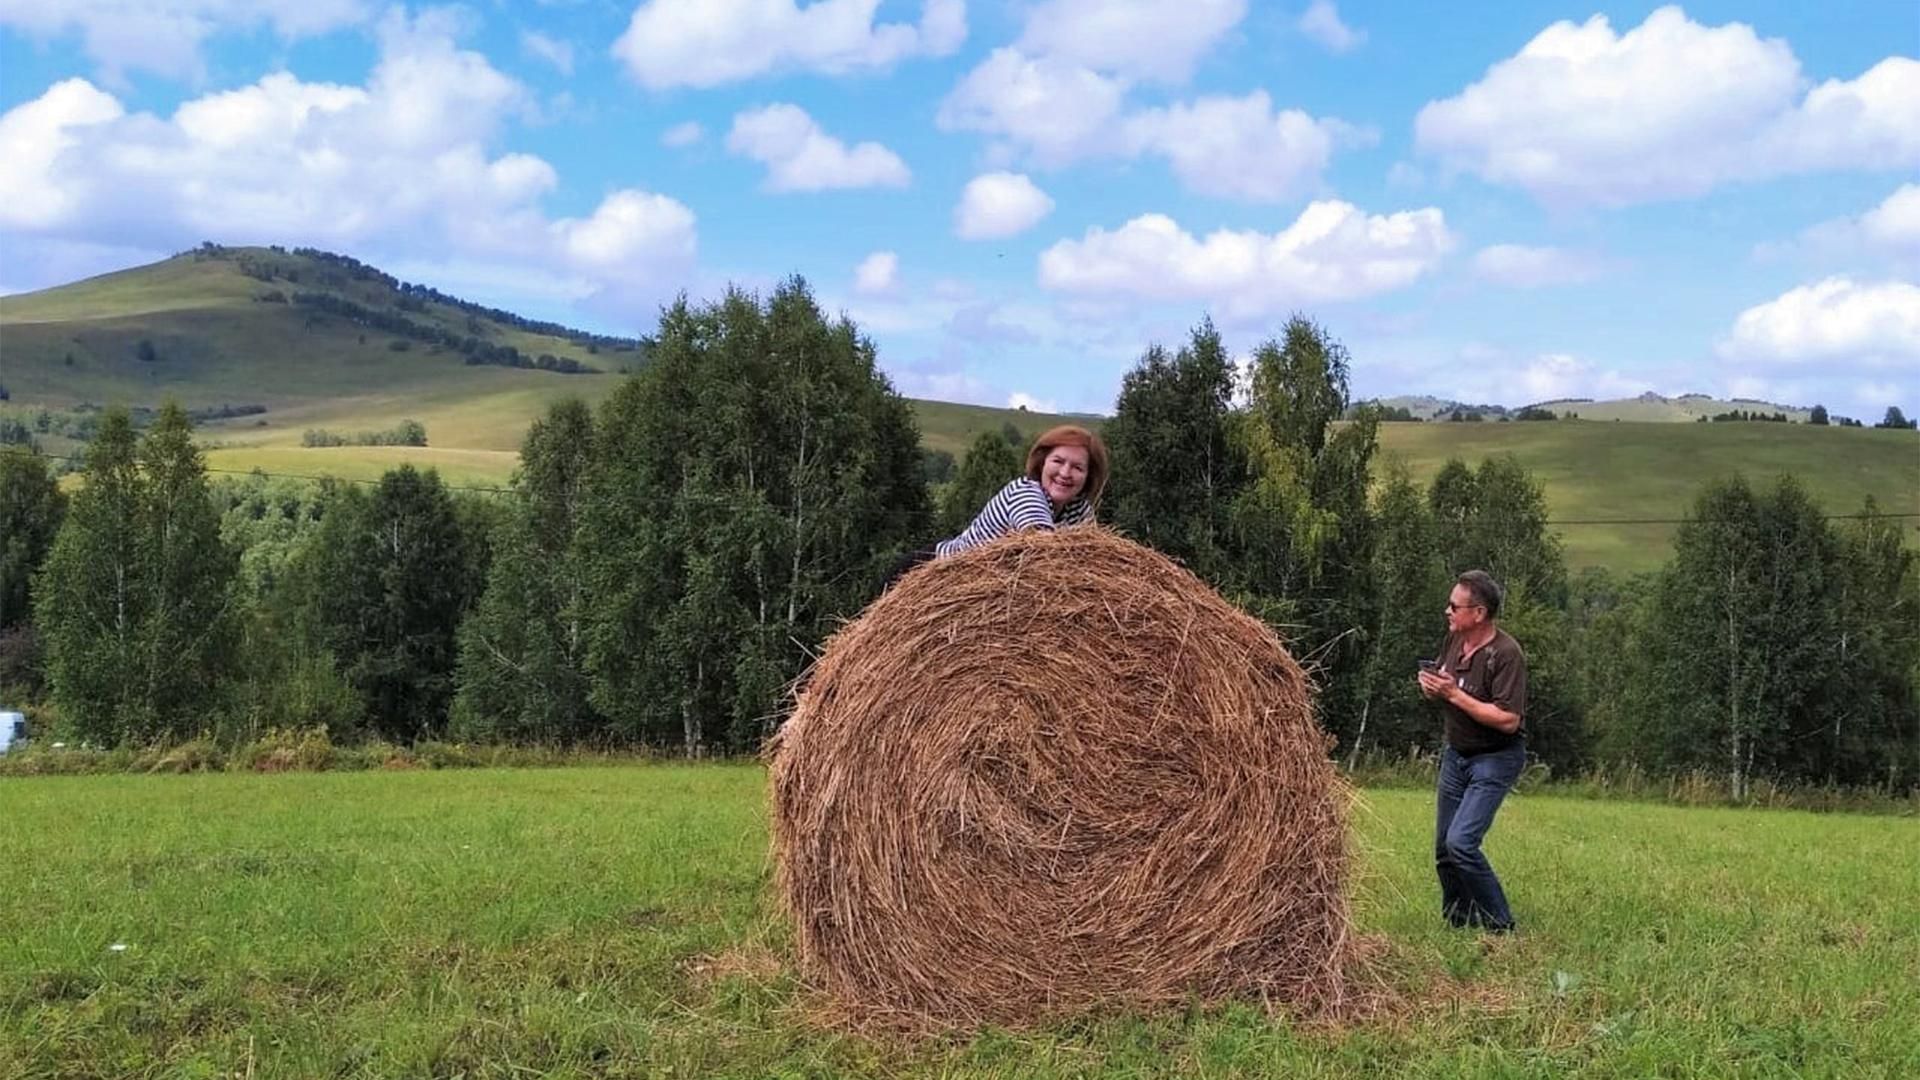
(664, 567)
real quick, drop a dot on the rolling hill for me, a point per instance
(296, 340)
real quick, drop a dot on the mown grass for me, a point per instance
(616, 922)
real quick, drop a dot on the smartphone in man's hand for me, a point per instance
(1430, 665)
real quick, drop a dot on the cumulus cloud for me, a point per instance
(999, 204)
(1020, 399)
(1558, 376)
(1524, 267)
(165, 36)
(1670, 109)
(1240, 147)
(1321, 22)
(548, 48)
(1157, 40)
(1890, 228)
(1334, 251)
(801, 156)
(403, 163)
(1059, 94)
(704, 43)
(684, 134)
(877, 274)
(1836, 321)
(1055, 111)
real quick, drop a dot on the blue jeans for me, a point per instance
(1471, 789)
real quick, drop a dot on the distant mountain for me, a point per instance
(219, 325)
(263, 343)
(1648, 407)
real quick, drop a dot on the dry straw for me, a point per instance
(1054, 775)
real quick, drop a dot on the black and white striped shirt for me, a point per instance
(1022, 504)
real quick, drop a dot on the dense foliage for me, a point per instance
(661, 571)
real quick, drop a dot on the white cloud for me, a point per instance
(1834, 321)
(1240, 147)
(1332, 252)
(999, 204)
(800, 156)
(34, 136)
(684, 134)
(1557, 376)
(1523, 267)
(1894, 225)
(551, 49)
(1670, 109)
(877, 274)
(165, 36)
(630, 230)
(946, 384)
(1891, 228)
(1020, 399)
(400, 165)
(1056, 111)
(1158, 40)
(1321, 22)
(704, 43)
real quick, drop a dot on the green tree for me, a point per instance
(135, 598)
(382, 586)
(751, 487)
(1176, 465)
(989, 464)
(1865, 707)
(1411, 580)
(1818, 417)
(1303, 529)
(31, 507)
(188, 638)
(1743, 618)
(285, 679)
(523, 650)
(1895, 419)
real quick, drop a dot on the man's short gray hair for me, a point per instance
(1486, 591)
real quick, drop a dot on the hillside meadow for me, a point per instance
(216, 341)
(617, 921)
(1594, 473)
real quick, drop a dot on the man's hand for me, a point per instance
(1435, 685)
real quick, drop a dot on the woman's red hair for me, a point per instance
(1070, 435)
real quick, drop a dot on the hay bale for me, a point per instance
(1058, 774)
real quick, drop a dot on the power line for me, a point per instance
(1557, 522)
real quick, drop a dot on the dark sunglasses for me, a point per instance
(1453, 607)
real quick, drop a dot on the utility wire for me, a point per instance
(1557, 522)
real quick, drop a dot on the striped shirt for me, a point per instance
(1020, 505)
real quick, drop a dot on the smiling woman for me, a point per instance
(1066, 472)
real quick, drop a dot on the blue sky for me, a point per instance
(1513, 203)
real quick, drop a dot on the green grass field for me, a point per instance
(1656, 470)
(617, 922)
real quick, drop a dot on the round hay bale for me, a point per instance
(1057, 774)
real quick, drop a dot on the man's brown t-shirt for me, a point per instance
(1496, 672)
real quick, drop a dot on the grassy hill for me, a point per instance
(215, 335)
(1654, 470)
(217, 338)
(1648, 407)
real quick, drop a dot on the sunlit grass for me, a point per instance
(617, 922)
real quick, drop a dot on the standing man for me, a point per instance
(1480, 682)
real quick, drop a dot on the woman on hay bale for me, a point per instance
(1066, 473)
